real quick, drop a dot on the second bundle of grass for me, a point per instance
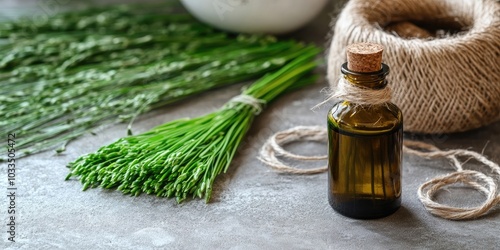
(83, 70)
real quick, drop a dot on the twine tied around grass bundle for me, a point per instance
(485, 184)
(256, 104)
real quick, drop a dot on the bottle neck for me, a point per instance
(372, 80)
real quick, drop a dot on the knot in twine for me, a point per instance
(475, 179)
(257, 105)
(358, 94)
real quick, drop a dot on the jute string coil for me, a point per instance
(273, 148)
(443, 81)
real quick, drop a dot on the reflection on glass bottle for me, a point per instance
(365, 152)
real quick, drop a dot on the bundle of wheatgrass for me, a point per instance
(182, 158)
(76, 71)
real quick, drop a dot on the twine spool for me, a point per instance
(443, 83)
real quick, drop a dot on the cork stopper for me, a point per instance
(364, 57)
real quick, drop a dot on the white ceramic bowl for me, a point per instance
(255, 16)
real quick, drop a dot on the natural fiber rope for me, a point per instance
(443, 84)
(256, 104)
(359, 95)
(362, 96)
(272, 148)
(477, 180)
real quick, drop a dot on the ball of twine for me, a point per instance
(443, 83)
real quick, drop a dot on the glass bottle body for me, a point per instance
(365, 158)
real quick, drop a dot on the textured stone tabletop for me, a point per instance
(253, 207)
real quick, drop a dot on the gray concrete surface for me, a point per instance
(253, 207)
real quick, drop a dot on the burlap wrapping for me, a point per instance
(444, 82)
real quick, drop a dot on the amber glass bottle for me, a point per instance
(365, 149)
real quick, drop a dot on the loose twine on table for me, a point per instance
(481, 182)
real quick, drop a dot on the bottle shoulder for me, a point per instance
(362, 119)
